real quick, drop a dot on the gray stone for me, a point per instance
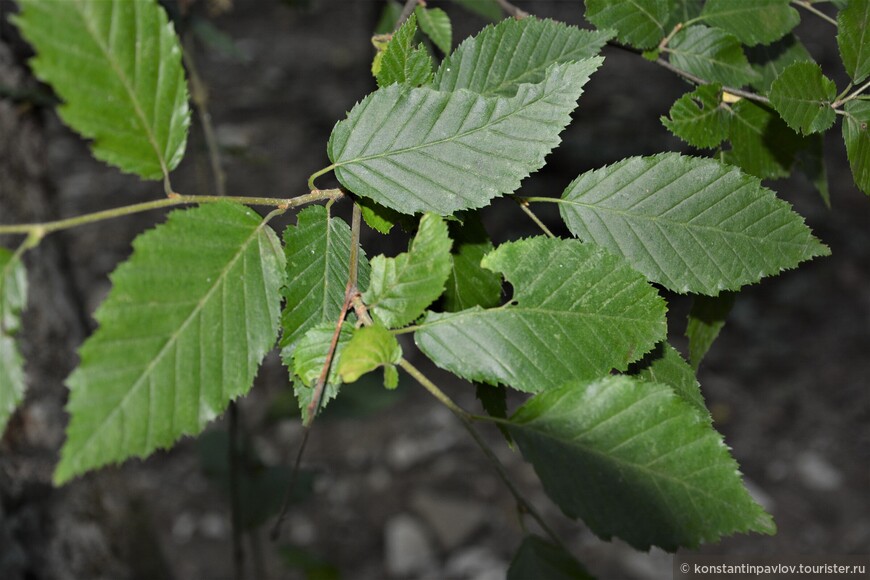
(453, 520)
(407, 546)
(817, 473)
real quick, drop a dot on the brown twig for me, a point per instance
(407, 9)
(512, 10)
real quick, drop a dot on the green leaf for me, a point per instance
(538, 558)
(682, 11)
(706, 320)
(803, 96)
(858, 141)
(379, 218)
(853, 39)
(645, 465)
(640, 23)
(711, 54)
(470, 284)
(535, 46)
(690, 224)
(388, 18)
(664, 365)
(811, 162)
(698, 117)
(369, 348)
(577, 312)
(425, 150)
(435, 24)
(309, 356)
(770, 60)
(402, 287)
(755, 22)
(489, 9)
(318, 259)
(493, 399)
(117, 66)
(761, 142)
(204, 287)
(402, 62)
(13, 299)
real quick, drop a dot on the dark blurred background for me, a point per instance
(393, 488)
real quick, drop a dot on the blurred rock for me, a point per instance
(476, 563)
(816, 473)
(407, 547)
(453, 520)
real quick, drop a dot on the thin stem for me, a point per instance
(407, 9)
(235, 497)
(512, 10)
(524, 205)
(466, 419)
(199, 96)
(664, 43)
(543, 199)
(275, 532)
(855, 94)
(701, 81)
(175, 199)
(317, 174)
(810, 8)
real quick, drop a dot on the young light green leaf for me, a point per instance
(711, 54)
(470, 284)
(577, 312)
(13, 298)
(402, 62)
(424, 150)
(803, 96)
(204, 287)
(698, 117)
(858, 141)
(309, 356)
(706, 320)
(664, 365)
(535, 44)
(402, 287)
(318, 259)
(853, 23)
(379, 218)
(489, 9)
(690, 224)
(538, 558)
(117, 66)
(761, 142)
(769, 60)
(754, 22)
(646, 466)
(640, 23)
(435, 24)
(369, 348)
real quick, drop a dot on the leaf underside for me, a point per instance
(416, 150)
(116, 64)
(690, 224)
(664, 365)
(698, 117)
(752, 22)
(711, 54)
(309, 358)
(13, 298)
(370, 347)
(646, 466)
(577, 312)
(202, 287)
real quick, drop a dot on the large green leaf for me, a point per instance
(761, 142)
(117, 66)
(435, 24)
(13, 298)
(402, 62)
(853, 39)
(309, 356)
(540, 559)
(691, 224)
(682, 11)
(402, 287)
(803, 95)
(577, 312)
(417, 150)
(698, 117)
(318, 261)
(711, 54)
(754, 21)
(534, 45)
(664, 365)
(706, 320)
(645, 465)
(370, 347)
(857, 140)
(640, 23)
(769, 60)
(470, 284)
(189, 319)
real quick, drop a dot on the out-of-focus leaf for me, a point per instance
(706, 321)
(469, 283)
(13, 298)
(539, 559)
(435, 24)
(769, 60)
(761, 142)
